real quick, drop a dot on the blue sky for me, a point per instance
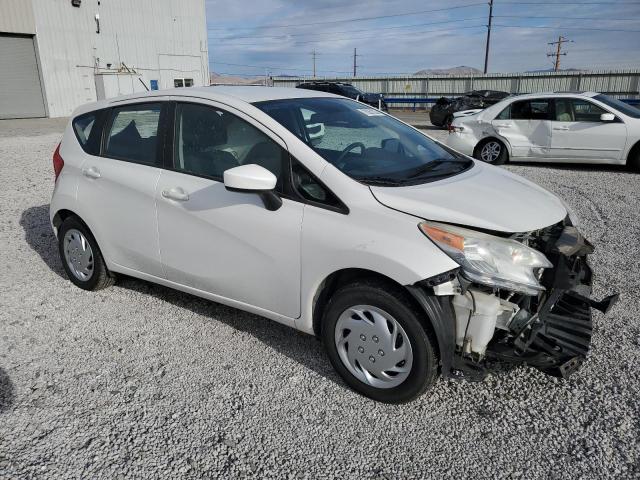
(248, 37)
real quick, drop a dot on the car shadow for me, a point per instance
(39, 236)
(584, 167)
(302, 348)
(7, 395)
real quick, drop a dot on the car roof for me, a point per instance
(247, 94)
(553, 94)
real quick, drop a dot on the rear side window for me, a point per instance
(133, 133)
(88, 130)
(527, 110)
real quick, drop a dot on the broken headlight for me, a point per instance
(489, 260)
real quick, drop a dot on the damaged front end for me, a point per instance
(526, 302)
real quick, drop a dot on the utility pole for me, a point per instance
(557, 55)
(313, 55)
(486, 50)
(355, 66)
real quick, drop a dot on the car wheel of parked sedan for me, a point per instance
(376, 342)
(491, 151)
(81, 257)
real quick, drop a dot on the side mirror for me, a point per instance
(607, 117)
(254, 179)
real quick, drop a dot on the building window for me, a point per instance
(182, 82)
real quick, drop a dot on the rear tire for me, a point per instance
(491, 151)
(633, 160)
(377, 343)
(81, 256)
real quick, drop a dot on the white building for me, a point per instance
(58, 54)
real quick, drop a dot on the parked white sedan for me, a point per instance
(558, 127)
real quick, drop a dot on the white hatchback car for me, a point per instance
(405, 257)
(556, 127)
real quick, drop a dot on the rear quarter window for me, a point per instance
(88, 130)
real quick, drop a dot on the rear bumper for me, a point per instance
(461, 142)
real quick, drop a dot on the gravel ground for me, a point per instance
(141, 381)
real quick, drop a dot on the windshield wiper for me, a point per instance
(434, 164)
(381, 181)
(427, 168)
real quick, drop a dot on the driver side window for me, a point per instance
(210, 140)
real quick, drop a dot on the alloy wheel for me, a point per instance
(490, 151)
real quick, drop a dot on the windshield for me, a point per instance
(363, 142)
(618, 105)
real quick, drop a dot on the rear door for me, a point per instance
(580, 136)
(526, 125)
(117, 188)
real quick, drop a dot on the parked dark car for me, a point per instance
(347, 90)
(441, 114)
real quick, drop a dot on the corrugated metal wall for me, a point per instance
(161, 40)
(16, 16)
(618, 83)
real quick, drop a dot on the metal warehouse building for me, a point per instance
(58, 54)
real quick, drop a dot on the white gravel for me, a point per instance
(140, 381)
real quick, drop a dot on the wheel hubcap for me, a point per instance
(373, 346)
(78, 254)
(490, 152)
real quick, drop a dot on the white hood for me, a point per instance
(485, 197)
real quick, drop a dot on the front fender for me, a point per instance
(383, 241)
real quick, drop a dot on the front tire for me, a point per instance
(81, 257)
(377, 343)
(491, 151)
(633, 160)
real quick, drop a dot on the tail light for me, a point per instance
(455, 128)
(58, 162)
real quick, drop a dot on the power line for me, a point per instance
(329, 39)
(568, 3)
(274, 67)
(286, 35)
(360, 19)
(597, 19)
(560, 27)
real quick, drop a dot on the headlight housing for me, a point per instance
(490, 260)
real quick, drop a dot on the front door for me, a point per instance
(221, 242)
(526, 125)
(580, 136)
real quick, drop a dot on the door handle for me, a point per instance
(91, 172)
(176, 193)
(503, 125)
(561, 128)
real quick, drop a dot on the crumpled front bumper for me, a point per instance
(551, 332)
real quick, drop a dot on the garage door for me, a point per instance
(20, 90)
